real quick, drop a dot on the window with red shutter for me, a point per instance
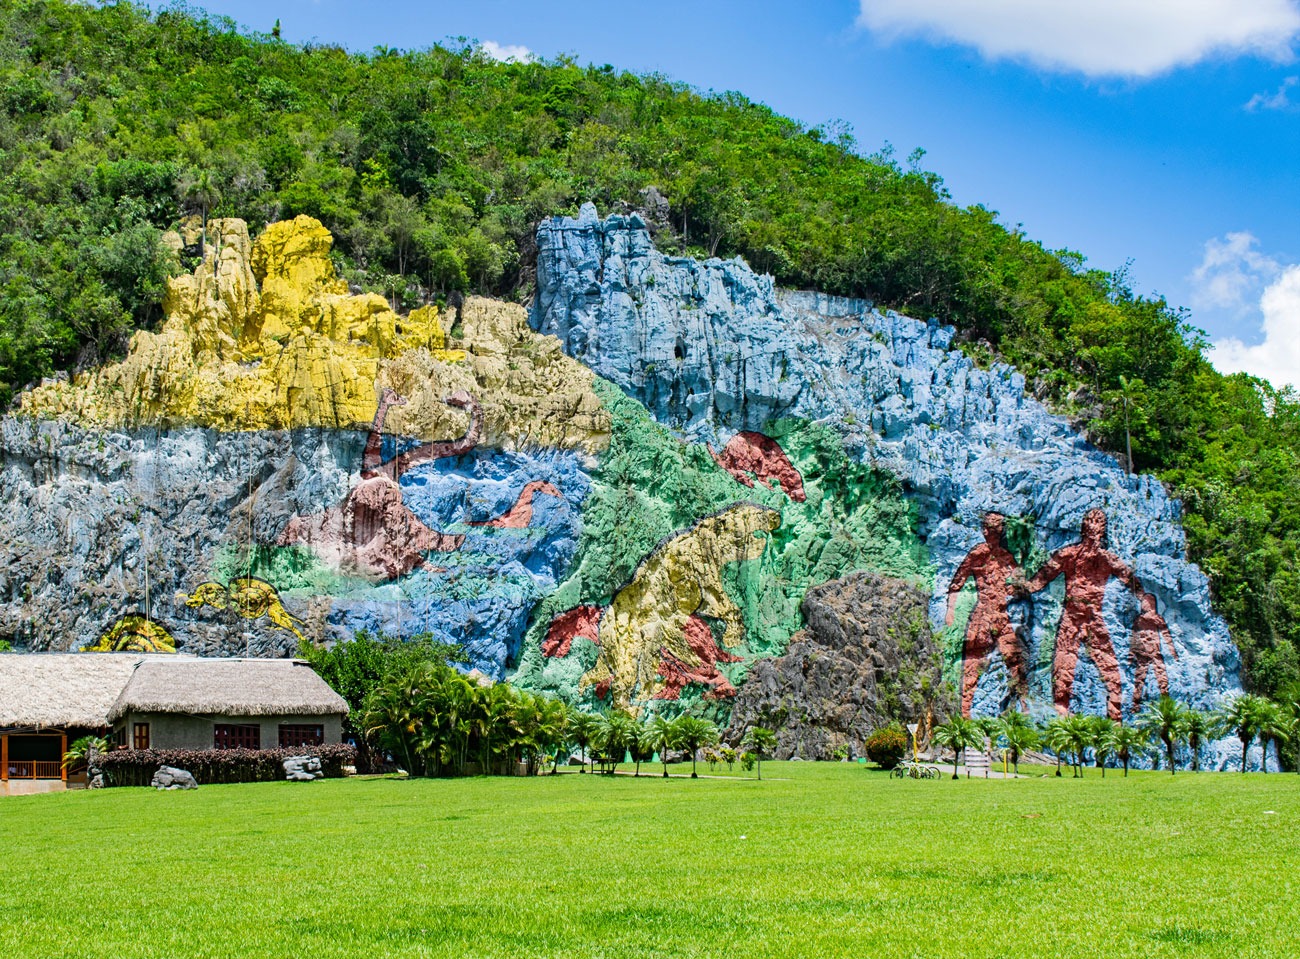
(236, 736)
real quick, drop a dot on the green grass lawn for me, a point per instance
(817, 860)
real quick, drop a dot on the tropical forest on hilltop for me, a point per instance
(433, 168)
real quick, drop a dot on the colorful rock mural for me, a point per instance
(249, 598)
(674, 588)
(989, 627)
(714, 352)
(134, 634)
(622, 496)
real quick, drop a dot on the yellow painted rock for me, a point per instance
(264, 335)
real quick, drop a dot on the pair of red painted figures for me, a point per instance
(1087, 567)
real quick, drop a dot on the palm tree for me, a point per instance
(661, 736)
(552, 729)
(582, 727)
(1100, 728)
(1057, 738)
(1243, 716)
(80, 750)
(1166, 720)
(1019, 735)
(640, 748)
(1275, 727)
(394, 716)
(1078, 736)
(957, 734)
(694, 734)
(500, 702)
(761, 742)
(199, 190)
(1125, 742)
(619, 732)
(1200, 727)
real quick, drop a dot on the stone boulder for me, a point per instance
(169, 777)
(866, 658)
(303, 769)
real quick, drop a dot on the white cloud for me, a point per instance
(1129, 38)
(1232, 274)
(1273, 101)
(507, 52)
(1277, 359)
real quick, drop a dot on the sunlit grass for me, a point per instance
(816, 860)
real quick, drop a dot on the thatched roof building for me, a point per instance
(227, 687)
(63, 690)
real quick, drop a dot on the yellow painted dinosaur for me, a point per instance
(680, 579)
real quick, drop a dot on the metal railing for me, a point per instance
(34, 769)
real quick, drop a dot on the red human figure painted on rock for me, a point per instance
(1150, 633)
(1087, 567)
(997, 579)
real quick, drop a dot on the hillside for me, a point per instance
(433, 170)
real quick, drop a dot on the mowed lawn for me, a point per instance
(816, 860)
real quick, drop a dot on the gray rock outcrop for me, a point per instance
(866, 658)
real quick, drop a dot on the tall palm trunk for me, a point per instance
(1169, 751)
(1245, 748)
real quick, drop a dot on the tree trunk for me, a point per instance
(1169, 750)
(1245, 748)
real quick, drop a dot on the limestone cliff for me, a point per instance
(715, 351)
(638, 494)
(262, 335)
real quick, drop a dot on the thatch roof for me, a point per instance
(62, 689)
(227, 687)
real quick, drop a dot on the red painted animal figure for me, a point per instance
(1150, 633)
(677, 674)
(1087, 567)
(997, 578)
(371, 533)
(372, 463)
(762, 456)
(581, 622)
(521, 514)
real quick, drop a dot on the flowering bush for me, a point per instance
(886, 747)
(135, 767)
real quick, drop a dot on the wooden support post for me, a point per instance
(63, 748)
(4, 757)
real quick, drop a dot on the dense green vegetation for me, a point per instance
(818, 859)
(434, 167)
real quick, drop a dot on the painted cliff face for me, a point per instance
(285, 461)
(718, 355)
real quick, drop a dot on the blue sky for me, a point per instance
(1165, 132)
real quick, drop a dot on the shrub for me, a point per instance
(135, 767)
(886, 747)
